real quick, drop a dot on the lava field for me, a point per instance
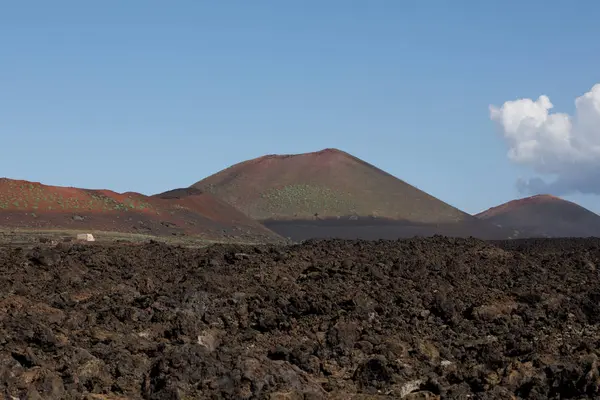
(414, 319)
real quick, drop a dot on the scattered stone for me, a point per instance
(286, 396)
(422, 395)
(86, 237)
(45, 257)
(209, 339)
(491, 311)
(429, 350)
(414, 319)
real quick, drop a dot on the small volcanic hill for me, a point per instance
(331, 193)
(33, 205)
(544, 216)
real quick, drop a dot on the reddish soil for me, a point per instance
(33, 205)
(333, 185)
(417, 319)
(544, 216)
(515, 204)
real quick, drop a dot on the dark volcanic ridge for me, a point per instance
(416, 319)
(544, 216)
(331, 192)
(33, 205)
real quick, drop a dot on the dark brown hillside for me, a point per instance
(544, 216)
(331, 193)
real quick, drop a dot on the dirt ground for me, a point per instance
(415, 319)
(369, 228)
(28, 238)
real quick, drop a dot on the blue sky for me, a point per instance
(150, 95)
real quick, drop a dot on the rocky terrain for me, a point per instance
(416, 319)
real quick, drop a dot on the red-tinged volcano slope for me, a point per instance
(331, 193)
(33, 205)
(544, 216)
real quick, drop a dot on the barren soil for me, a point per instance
(380, 228)
(414, 319)
(332, 184)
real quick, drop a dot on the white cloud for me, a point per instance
(567, 147)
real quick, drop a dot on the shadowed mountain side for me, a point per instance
(376, 229)
(544, 216)
(214, 209)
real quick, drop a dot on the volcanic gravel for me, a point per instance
(414, 319)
